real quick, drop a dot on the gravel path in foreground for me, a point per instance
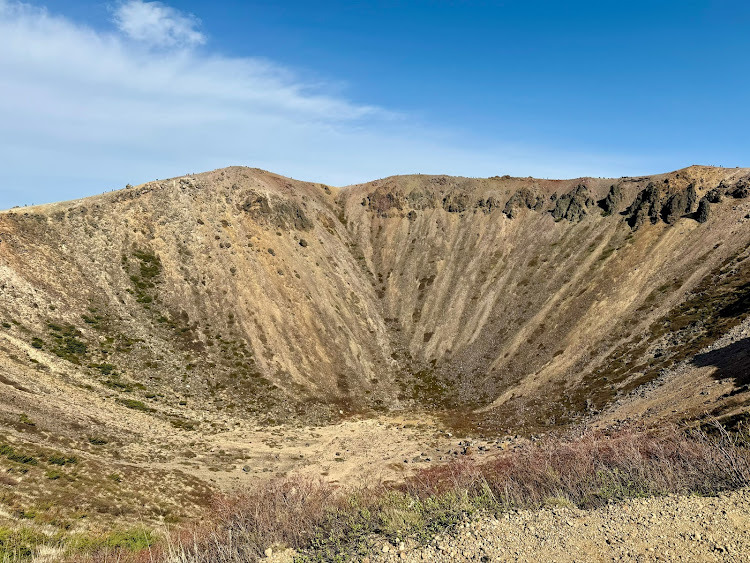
(657, 529)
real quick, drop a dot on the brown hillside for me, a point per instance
(240, 297)
(248, 290)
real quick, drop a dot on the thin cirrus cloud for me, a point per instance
(158, 24)
(84, 110)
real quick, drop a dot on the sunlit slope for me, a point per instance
(519, 301)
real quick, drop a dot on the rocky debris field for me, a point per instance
(653, 529)
(719, 370)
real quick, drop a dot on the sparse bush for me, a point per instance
(61, 460)
(105, 369)
(111, 545)
(18, 457)
(68, 345)
(135, 404)
(19, 545)
(593, 468)
(24, 419)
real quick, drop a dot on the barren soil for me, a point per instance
(656, 529)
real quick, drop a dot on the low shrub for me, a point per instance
(135, 404)
(18, 457)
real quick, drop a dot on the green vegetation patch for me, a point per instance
(19, 457)
(105, 369)
(135, 405)
(132, 539)
(61, 460)
(67, 343)
(182, 423)
(144, 274)
(24, 419)
(19, 545)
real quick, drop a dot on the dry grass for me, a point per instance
(592, 468)
(585, 469)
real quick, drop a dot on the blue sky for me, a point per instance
(94, 95)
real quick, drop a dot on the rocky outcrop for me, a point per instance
(646, 206)
(614, 198)
(679, 204)
(487, 205)
(421, 200)
(384, 202)
(741, 190)
(456, 202)
(574, 205)
(523, 199)
(704, 211)
(715, 195)
(660, 202)
(281, 214)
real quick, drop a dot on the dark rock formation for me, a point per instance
(573, 206)
(679, 204)
(456, 202)
(614, 197)
(647, 205)
(523, 199)
(421, 200)
(704, 210)
(741, 190)
(660, 202)
(714, 195)
(382, 202)
(488, 205)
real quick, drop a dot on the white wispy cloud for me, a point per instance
(156, 24)
(85, 109)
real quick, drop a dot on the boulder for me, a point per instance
(714, 195)
(679, 204)
(741, 190)
(704, 211)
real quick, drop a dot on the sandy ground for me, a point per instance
(388, 447)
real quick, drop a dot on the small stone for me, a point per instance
(269, 552)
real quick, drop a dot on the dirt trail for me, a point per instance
(658, 529)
